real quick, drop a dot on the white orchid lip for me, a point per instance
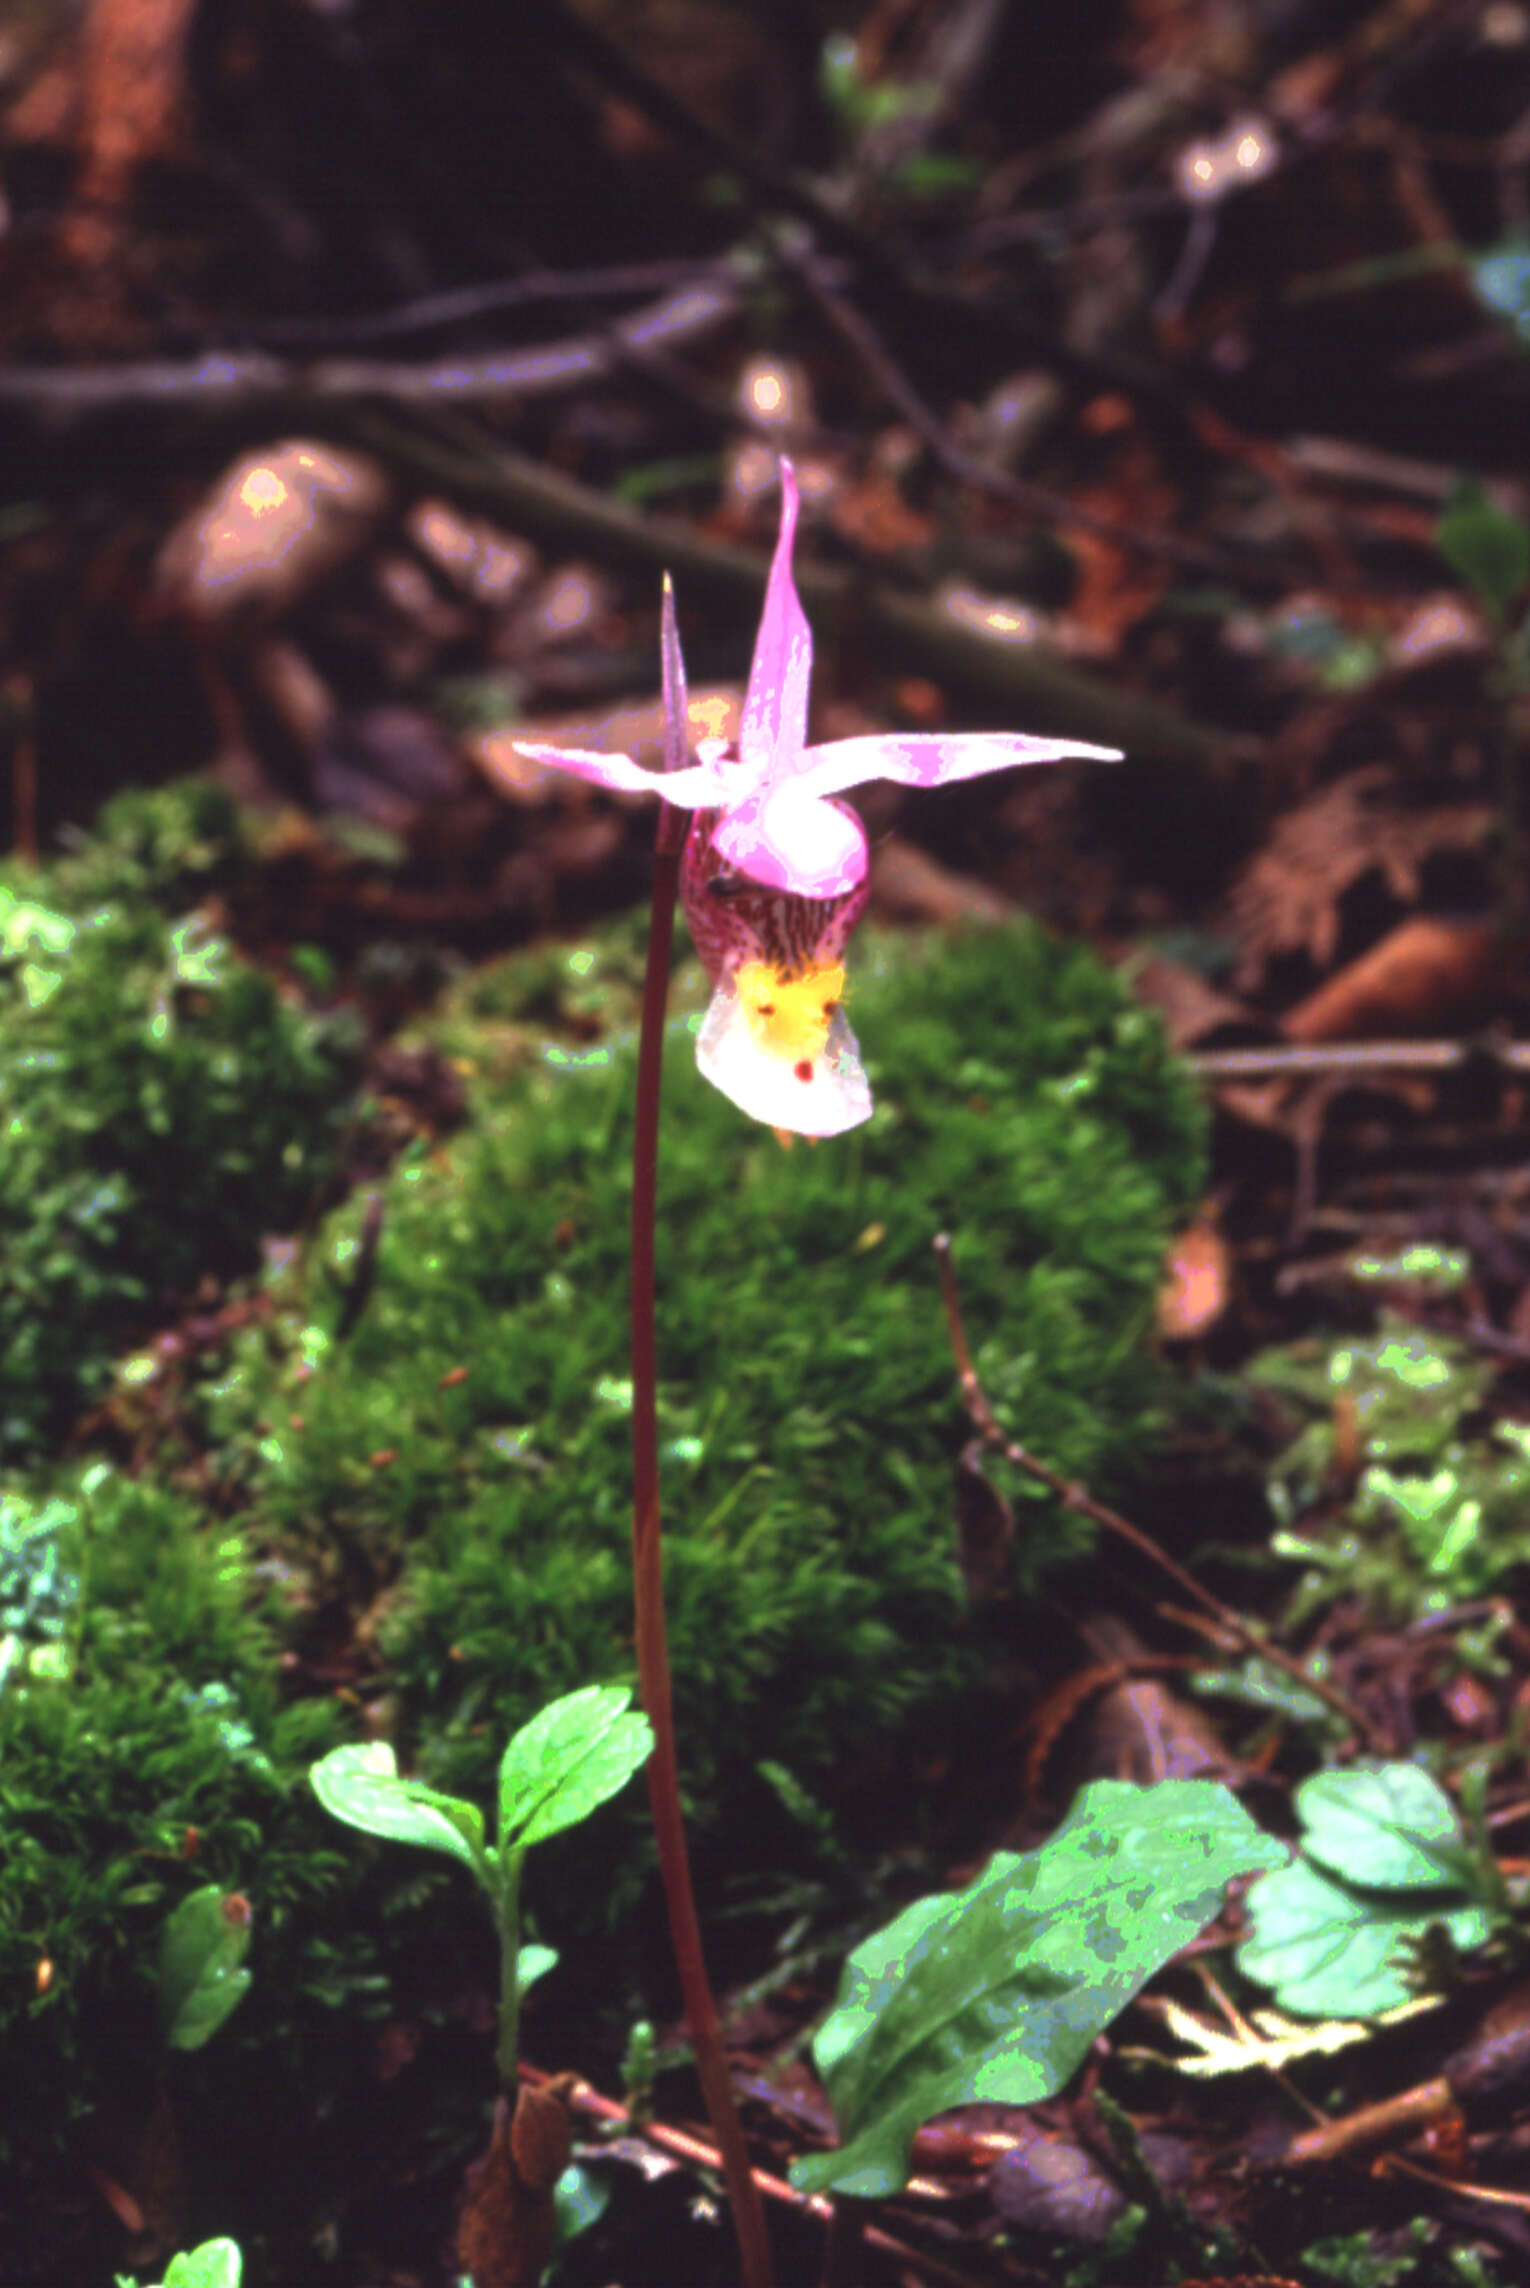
(818, 1093)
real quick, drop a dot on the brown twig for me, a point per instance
(696, 2151)
(1304, 1062)
(854, 327)
(219, 379)
(1082, 1503)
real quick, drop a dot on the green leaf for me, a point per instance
(1484, 544)
(1330, 1950)
(1383, 1860)
(532, 1963)
(580, 2199)
(360, 1784)
(997, 1992)
(202, 1947)
(216, 2264)
(1386, 1827)
(567, 1760)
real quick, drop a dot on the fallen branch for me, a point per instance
(218, 379)
(1356, 1058)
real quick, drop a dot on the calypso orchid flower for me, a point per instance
(774, 875)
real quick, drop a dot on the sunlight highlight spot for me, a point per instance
(263, 491)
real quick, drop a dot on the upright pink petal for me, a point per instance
(773, 731)
(930, 760)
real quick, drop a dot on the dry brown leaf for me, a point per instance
(274, 526)
(1421, 976)
(1194, 1293)
(875, 517)
(505, 2225)
(1287, 898)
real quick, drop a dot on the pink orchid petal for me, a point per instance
(773, 731)
(701, 786)
(834, 1096)
(931, 760)
(789, 839)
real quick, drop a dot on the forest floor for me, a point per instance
(1157, 375)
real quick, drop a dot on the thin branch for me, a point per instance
(458, 305)
(219, 379)
(854, 327)
(1357, 1058)
(1082, 1503)
(701, 2155)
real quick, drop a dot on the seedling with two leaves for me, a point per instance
(559, 1768)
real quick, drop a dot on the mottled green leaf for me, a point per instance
(997, 1992)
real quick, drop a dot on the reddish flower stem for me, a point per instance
(648, 1587)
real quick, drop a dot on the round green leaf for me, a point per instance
(1332, 1952)
(1385, 1827)
(360, 1784)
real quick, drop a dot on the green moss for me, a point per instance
(809, 1414)
(454, 1544)
(163, 1106)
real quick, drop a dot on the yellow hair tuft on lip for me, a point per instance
(791, 1015)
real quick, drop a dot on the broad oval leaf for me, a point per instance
(567, 1761)
(996, 1992)
(1387, 1827)
(1329, 1951)
(360, 1784)
(202, 1947)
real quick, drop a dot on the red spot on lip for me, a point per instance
(804, 1071)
